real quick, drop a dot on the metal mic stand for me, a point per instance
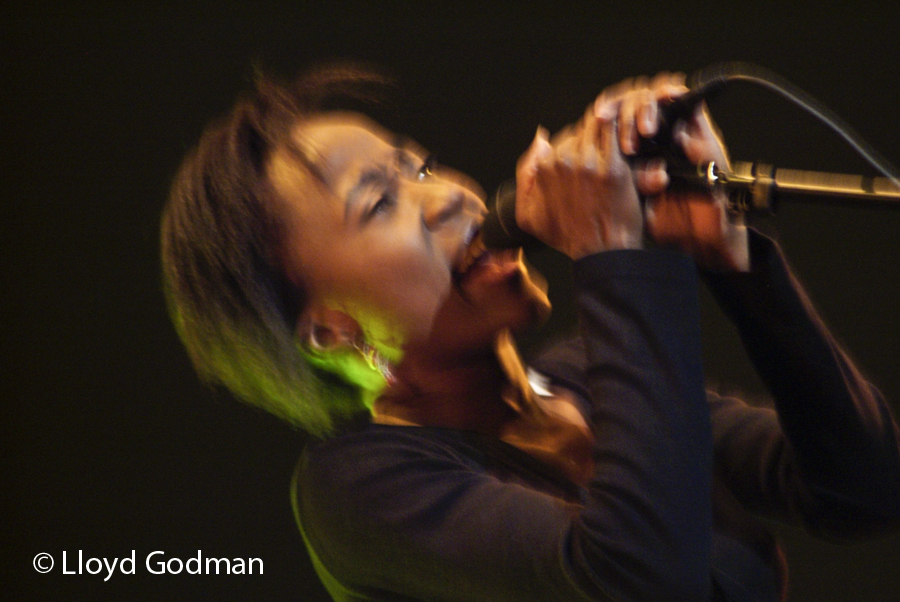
(755, 187)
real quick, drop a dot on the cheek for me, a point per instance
(396, 295)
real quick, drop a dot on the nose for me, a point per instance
(443, 205)
(450, 200)
(449, 197)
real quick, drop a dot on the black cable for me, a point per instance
(709, 80)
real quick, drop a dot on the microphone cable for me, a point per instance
(711, 79)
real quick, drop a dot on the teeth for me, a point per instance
(474, 250)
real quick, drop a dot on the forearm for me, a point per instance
(651, 490)
(840, 431)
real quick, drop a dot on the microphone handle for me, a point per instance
(702, 85)
(660, 145)
(500, 230)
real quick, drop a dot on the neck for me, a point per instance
(489, 394)
(462, 392)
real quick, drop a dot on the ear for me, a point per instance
(335, 342)
(323, 329)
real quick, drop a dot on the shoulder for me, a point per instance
(374, 460)
(373, 444)
(382, 466)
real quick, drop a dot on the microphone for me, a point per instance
(681, 108)
(702, 85)
(500, 230)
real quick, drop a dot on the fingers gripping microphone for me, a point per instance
(702, 85)
(500, 229)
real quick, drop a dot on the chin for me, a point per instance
(525, 308)
(519, 304)
(477, 333)
(530, 317)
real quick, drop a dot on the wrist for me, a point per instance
(625, 239)
(741, 249)
(606, 239)
(732, 256)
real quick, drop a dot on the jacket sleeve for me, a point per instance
(828, 456)
(396, 517)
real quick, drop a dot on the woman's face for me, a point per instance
(378, 233)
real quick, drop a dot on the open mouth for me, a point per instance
(476, 259)
(480, 273)
(475, 252)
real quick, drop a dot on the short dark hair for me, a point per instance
(221, 235)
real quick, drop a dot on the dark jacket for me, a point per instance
(415, 513)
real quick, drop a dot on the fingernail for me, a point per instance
(541, 144)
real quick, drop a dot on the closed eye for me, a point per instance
(383, 205)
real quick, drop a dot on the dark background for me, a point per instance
(110, 443)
